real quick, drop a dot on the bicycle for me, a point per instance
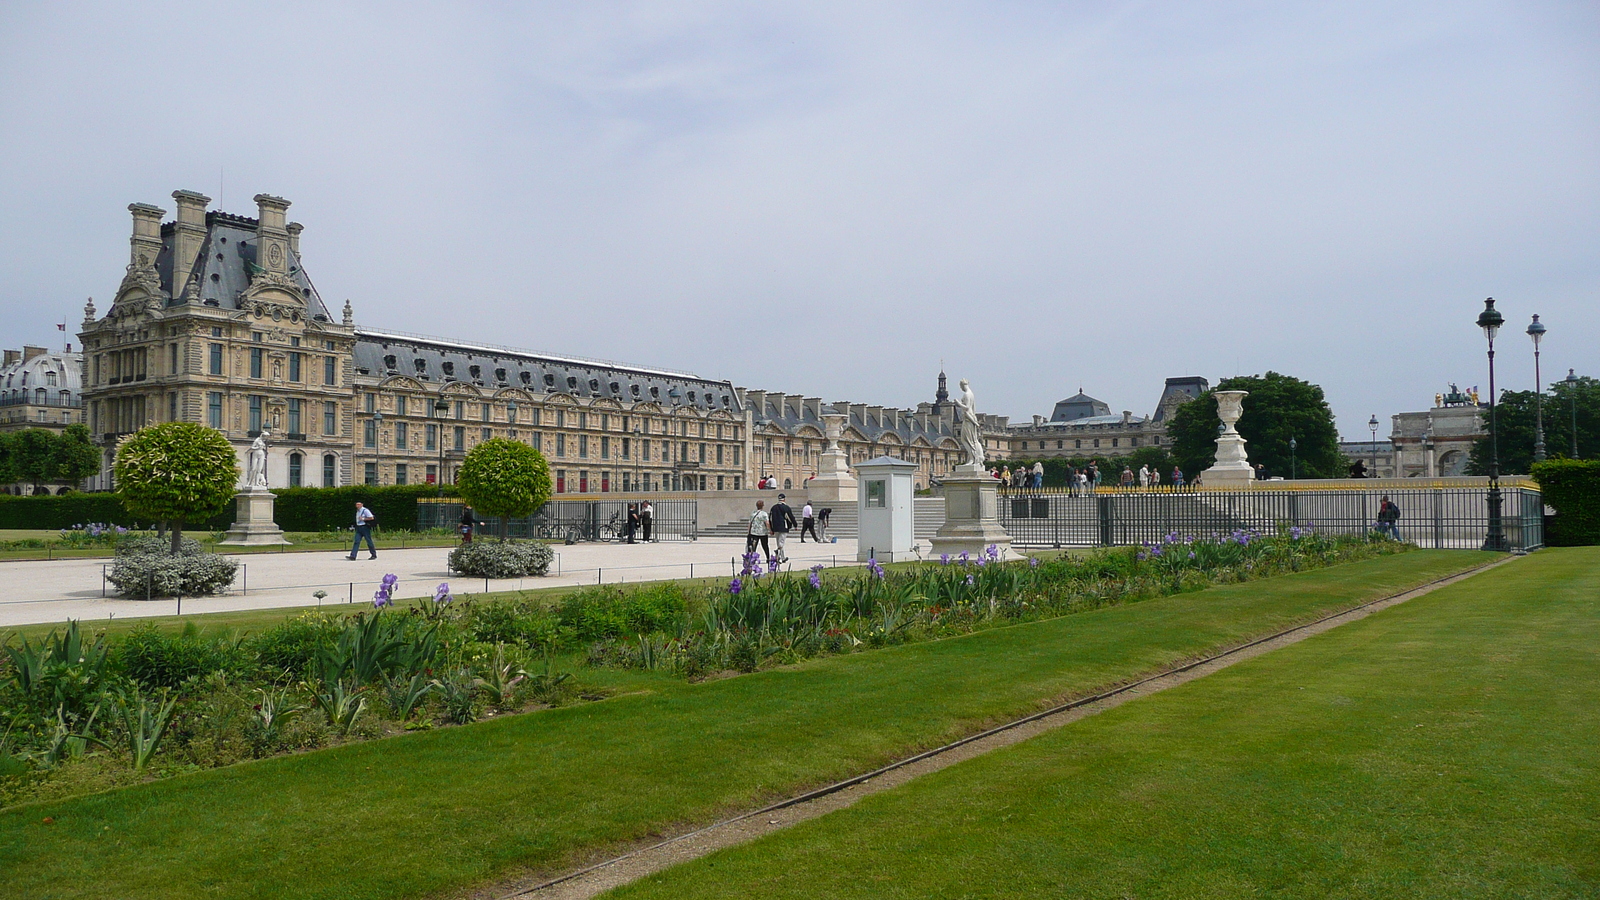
(609, 531)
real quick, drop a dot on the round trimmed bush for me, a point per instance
(502, 559)
(145, 567)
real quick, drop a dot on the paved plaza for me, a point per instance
(55, 591)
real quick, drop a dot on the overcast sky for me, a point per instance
(831, 198)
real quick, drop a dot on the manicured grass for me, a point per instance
(411, 816)
(1445, 748)
(300, 542)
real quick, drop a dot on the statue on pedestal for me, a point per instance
(257, 475)
(967, 430)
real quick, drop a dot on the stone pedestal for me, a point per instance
(1232, 468)
(971, 515)
(834, 483)
(253, 524)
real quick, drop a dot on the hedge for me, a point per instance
(297, 509)
(1572, 486)
(320, 509)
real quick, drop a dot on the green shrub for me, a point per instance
(319, 509)
(157, 659)
(291, 647)
(1572, 486)
(501, 559)
(143, 568)
(607, 612)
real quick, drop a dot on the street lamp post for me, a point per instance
(440, 407)
(1536, 331)
(1572, 398)
(1372, 425)
(1490, 321)
(1293, 472)
(638, 463)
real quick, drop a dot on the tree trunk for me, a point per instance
(177, 535)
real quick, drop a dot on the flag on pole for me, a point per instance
(62, 327)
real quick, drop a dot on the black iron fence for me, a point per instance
(579, 520)
(1435, 518)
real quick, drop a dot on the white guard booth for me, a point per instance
(883, 506)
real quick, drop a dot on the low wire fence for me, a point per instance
(578, 520)
(1435, 518)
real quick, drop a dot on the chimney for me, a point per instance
(813, 405)
(189, 234)
(272, 234)
(146, 240)
(30, 352)
(294, 229)
(1038, 421)
(13, 357)
(1127, 417)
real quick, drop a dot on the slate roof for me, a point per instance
(442, 361)
(870, 422)
(1079, 406)
(226, 255)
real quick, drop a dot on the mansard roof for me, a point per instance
(222, 271)
(443, 361)
(792, 412)
(1079, 406)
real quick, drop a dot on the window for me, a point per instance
(488, 434)
(583, 420)
(400, 473)
(172, 406)
(736, 481)
(461, 438)
(605, 447)
(432, 474)
(214, 409)
(461, 410)
(330, 369)
(400, 405)
(371, 401)
(296, 469)
(488, 413)
(719, 481)
(172, 368)
(644, 448)
(216, 332)
(370, 473)
(736, 460)
(294, 416)
(625, 448)
(605, 422)
(294, 367)
(330, 470)
(257, 354)
(535, 440)
(255, 412)
(561, 418)
(431, 437)
(330, 417)
(511, 413)
(369, 434)
(702, 454)
(401, 436)
(719, 458)
(683, 450)
(583, 446)
(583, 482)
(561, 444)
(561, 481)
(216, 359)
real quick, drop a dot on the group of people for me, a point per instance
(1088, 478)
(769, 528)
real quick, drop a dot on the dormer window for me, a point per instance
(549, 379)
(527, 377)
(635, 390)
(449, 368)
(594, 385)
(389, 362)
(421, 364)
(500, 375)
(691, 396)
(616, 388)
(572, 382)
(655, 392)
(476, 372)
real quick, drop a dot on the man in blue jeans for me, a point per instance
(363, 531)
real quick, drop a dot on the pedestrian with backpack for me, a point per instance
(1389, 517)
(364, 520)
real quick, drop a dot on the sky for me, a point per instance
(837, 199)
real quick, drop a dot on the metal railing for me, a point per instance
(581, 520)
(1429, 517)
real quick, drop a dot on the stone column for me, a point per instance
(1232, 468)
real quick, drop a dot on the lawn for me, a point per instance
(1444, 748)
(414, 815)
(15, 544)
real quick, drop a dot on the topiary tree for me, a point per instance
(504, 478)
(175, 472)
(75, 455)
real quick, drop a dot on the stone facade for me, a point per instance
(41, 389)
(1081, 426)
(216, 322)
(1438, 442)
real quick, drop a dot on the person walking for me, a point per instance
(468, 520)
(780, 521)
(646, 514)
(756, 533)
(1177, 478)
(808, 522)
(633, 521)
(823, 515)
(364, 520)
(1389, 517)
(1038, 475)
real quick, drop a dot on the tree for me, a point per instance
(76, 457)
(504, 478)
(33, 457)
(175, 472)
(1515, 416)
(1279, 407)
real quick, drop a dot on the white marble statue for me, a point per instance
(257, 477)
(967, 430)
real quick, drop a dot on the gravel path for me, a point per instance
(623, 865)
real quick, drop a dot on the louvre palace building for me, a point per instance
(216, 322)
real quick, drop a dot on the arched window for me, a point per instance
(330, 470)
(296, 462)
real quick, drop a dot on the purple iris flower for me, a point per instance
(735, 586)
